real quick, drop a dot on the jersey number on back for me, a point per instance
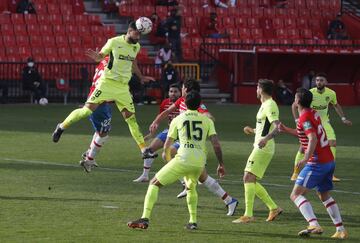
(195, 131)
(323, 141)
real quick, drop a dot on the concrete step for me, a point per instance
(209, 91)
(216, 96)
(206, 85)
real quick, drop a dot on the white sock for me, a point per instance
(96, 145)
(306, 210)
(220, 4)
(334, 212)
(147, 165)
(213, 186)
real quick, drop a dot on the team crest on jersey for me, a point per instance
(307, 125)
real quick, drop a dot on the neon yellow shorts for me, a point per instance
(109, 90)
(330, 133)
(258, 162)
(176, 169)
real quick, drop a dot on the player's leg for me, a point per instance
(73, 117)
(309, 177)
(192, 197)
(155, 145)
(330, 134)
(168, 174)
(101, 121)
(299, 156)
(274, 209)
(329, 203)
(213, 186)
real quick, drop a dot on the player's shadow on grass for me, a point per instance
(24, 198)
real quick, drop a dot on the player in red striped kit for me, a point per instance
(158, 142)
(101, 121)
(319, 168)
(210, 183)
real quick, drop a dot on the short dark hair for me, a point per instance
(193, 100)
(266, 85)
(176, 85)
(192, 84)
(132, 25)
(305, 97)
(323, 75)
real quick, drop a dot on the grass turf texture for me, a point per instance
(46, 197)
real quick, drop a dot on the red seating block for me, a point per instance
(74, 41)
(43, 19)
(289, 23)
(55, 19)
(281, 33)
(10, 40)
(258, 12)
(109, 31)
(306, 34)
(293, 34)
(35, 41)
(256, 33)
(228, 22)
(41, 9)
(33, 29)
(71, 30)
(66, 9)
(49, 40)
(244, 33)
(68, 19)
(232, 32)
(5, 19)
(190, 22)
(253, 22)
(22, 41)
(46, 30)
(30, 19)
(99, 41)
(240, 22)
(20, 29)
(81, 20)
(7, 29)
(96, 30)
(61, 41)
(17, 19)
(53, 8)
(37, 52)
(59, 30)
(302, 23)
(94, 20)
(84, 30)
(278, 23)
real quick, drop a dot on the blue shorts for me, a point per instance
(101, 118)
(317, 175)
(162, 136)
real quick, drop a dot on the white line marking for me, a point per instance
(110, 207)
(136, 171)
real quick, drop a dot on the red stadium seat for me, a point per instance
(99, 41)
(9, 40)
(53, 8)
(41, 9)
(49, 40)
(5, 19)
(59, 30)
(33, 29)
(221, 12)
(298, 42)
(81, 20)
(190, 22)
(96, 30)
(232, 32)
(51, 52)
(306, 34)
(162, 11)
(68, 19)
(301, 23)
(253, 22)
(245, 12)
(292, 13)
(293, 34)
(196, 42)
(258, 12)
(3, 6)
(241, 22)
(289, 23)
(125, 10)
(64, 54)
(189, 55)
(22, 41)
(61, 41)
(281, 13)
(278, 23)
(87, 41)
(37, 51)
(30, 19)
(84, 30)
(71, 30)
(252, 3)
(20, 29)
(43, 19)
(281, 33)
(7, 29)
(192, 32)
(66, 9)
(109, 31)
(196, 11)
(300, 4)
(78, 6)
(269, 13)
(304, 13)
(74, 41)
(256, 33)
(244, 33)
(186, 43)
(46, 30)
(17, 19)
(94, 20)
(233, 12)
(228, 22)
(311, 4)
(35, 41)
(55, 19)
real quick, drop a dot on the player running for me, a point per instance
(210, 183)
(192, 128)
(267, 120)
(113, 84)
(319, 167)
(158, 142)
(323, 96)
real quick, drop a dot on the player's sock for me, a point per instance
(96, 145)
(192, 201)
(147, 166)
(150, 199)
(135, 131)
(299, 156)
(249, 188)
(333, 151)
(75, 116)
(213, 186)
(306, 210)
(334, 212)
(261, 193)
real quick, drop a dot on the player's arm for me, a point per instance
(249, 130)
(340, 112)
(162, 116)
(218, 152)
(309, 150)
(270, 135)
(167, 148)
(288, 130)
(95, 55)
(295, 112)
(137, 72)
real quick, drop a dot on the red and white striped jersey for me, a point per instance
(180, 104)
(166, 104)
(310, 122)
(98, 72)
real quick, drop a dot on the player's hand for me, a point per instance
(248, 130)
(262, 143)
(153, 127)
(301, 163)
(347, 122)
(281, 127)
(221, 171)
(94, 54)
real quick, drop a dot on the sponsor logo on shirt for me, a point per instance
(126, 58)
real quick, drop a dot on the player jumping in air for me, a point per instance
(158, 142)
(319, 167)
(323, 97)
(192, 129)
(267, 120)
(210, 183)
(113, 84)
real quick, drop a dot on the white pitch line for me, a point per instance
(135, 171)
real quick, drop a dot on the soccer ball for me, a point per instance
(43, 101)
(143, 25)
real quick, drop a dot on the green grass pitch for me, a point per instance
(46, 197)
